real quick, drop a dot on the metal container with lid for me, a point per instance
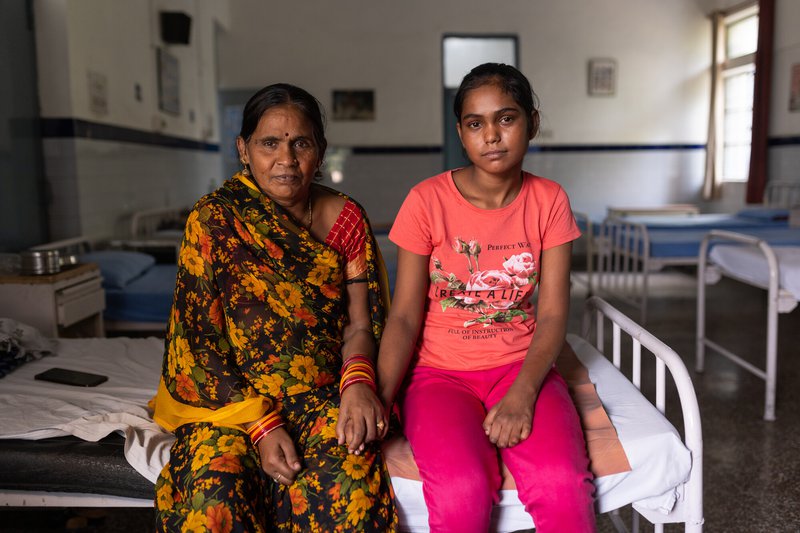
(39, 262)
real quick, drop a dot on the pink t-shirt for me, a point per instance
(484, 267)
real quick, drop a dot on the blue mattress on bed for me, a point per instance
(686, 243)
(706, 221)
(147, 298)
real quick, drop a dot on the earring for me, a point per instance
(245, 170)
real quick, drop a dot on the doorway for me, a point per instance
(460, 54)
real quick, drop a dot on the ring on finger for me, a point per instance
(380, 425)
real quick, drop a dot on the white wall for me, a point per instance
(787, 53)
(97, 181)
(662, 49)
(118, 40)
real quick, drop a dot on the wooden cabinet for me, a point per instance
(67, 304)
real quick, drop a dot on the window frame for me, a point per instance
(728, 67)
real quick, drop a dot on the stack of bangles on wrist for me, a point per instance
(357, 369)
(264, 426)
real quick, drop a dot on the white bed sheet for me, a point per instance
(31, 409)
(34, 409)
(749, 263)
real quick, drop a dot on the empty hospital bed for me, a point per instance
(751, 260)
(630, 243)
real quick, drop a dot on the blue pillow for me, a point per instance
(119, 267)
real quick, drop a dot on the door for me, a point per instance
(460, 54)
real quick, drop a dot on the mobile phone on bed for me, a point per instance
(71, 377)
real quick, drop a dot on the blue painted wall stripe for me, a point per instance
(84, 129)
(69, 127)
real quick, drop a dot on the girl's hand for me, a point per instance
(279, 456)
(361, 418)
(509, 421)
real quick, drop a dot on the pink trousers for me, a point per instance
(443, 413)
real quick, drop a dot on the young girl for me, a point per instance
(463, 337)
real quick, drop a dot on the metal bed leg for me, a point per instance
(700, 352)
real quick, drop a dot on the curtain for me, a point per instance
(711, 187)
(757, 181)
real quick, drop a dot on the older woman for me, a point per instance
(268, 379)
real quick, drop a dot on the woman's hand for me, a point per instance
(361, 418)
(279, 456)
(509, 421)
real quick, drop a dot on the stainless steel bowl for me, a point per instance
(39, 262)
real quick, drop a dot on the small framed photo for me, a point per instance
(602, 77)
(353, 104)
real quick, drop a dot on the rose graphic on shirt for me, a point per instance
(485, 280)
(522, 267)
(494, 295)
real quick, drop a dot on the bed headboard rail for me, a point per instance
(145, 223)
(66, 247)
(782, 193)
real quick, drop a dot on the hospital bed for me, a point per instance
(157, 232)
(630, 243)
(753, 261)
(138, 290)
(631, 250)
(664, 484)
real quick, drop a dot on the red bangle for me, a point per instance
(358, 357)
(263, 427)
(353, 381)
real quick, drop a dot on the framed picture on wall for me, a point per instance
(169, 94)
(353, 104)
(602, 75)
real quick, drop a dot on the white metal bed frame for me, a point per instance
(611, 252)
(622, 248)
(142, 229)
(688, 510)
(778, 301)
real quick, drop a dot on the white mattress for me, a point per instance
(750, 264)
(34, 409)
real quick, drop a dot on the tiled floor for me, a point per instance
(752, 467)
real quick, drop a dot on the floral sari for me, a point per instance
(257, 323)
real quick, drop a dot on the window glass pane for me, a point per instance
(736, 164)
(738, 127)
(739, 91)
(742, 37)
(738, 124)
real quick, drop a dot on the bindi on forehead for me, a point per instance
(286, 134)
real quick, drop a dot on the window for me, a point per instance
(738, 38)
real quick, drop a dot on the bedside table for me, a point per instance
(67, 304)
